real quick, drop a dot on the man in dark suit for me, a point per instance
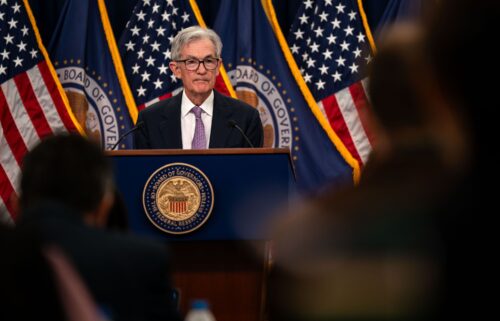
(198, 117)
(66, 193)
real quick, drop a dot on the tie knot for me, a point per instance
(196, 110)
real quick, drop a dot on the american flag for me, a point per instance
(332, 49)
(145, 48)
(32, 105)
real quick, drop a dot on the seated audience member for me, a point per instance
(66, 194)
(38, 282)
(382, 250)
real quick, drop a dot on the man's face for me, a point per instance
(197, 83)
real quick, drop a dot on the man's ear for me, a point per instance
(176, 70)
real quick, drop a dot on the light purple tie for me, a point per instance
(199, 139)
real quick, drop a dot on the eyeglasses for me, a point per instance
(193, 64)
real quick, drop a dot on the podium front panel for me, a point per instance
(250, 189)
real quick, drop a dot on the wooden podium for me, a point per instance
(226, 260)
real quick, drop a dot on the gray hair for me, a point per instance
(193, 33)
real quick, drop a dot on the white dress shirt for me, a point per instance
(188, 121)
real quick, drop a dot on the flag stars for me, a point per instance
(357, 53)
(16, 8)
(336, 76)
(319, 32)
(173, 78)
(25, 31)
(307, 78)
(21, 46)
(303, 19)
(335, 23)
(352, 15)
(155, 46)
(170, 39)
(155, 8)
(163, 69)
(12, 23)
(299, 34)
(327, 54)
(361, 37)
(344, 46)
(174, 11)
(340, 8)
(158, 83)
(165, 16)
(135, 31)
(166, 54)
(151, 23)
(18, 62)
(295, 49)
(314, 47)
(140, 16)
(340, 61)
(308, 4)
(145, 38)
(135, 69)
(310, 62)
(354, 68)
(320, 84)
(185, 17)
(8, 39)
(3, 70)
(1, 15)
(4, 54)
(140, 54)
(331, 39)
(368, 58)
(323, 16)
(141, 91)
(130, 45)
(323, 69)
(160, 31)
(348, 31)
(150, 61)
(145, 76)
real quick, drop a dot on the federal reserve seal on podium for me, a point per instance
(178, 198)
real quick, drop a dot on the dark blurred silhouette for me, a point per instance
(39, 282)
(395, 247)
(118, 214)
(28, 288)
(66, 195)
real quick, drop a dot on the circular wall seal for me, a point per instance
(178, 198)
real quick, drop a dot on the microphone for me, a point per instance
(136, 127)
(232, 123)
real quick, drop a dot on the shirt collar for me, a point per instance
(207, 106)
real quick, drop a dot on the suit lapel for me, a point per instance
(170, 126)
(220, 129)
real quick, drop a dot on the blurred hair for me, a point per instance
(68, 169)
(460, 37)
(394, 87)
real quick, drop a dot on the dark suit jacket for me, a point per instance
(162, 124)
(128, 276)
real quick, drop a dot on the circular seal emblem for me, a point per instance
(178, 198)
